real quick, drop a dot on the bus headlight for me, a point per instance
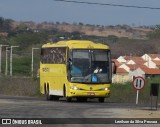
(74, 88)
(105, 88)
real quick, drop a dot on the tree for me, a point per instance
(5, 24)
(155, 34)
(25, 40)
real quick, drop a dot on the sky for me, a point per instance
(55, 11)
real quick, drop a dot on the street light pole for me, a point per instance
(1, 57)
(11, 58)
(32, 60)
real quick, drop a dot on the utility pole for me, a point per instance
(11, 58)
(32, 60)
(1, 57)
(6, 69)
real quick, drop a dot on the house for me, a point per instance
(136, 60)
(116, 62)
(150, 64)
(147, 72)
(133, 60)
(121, 76)
(131, 67)
(137, 72)
(128, 67)
(124, 66)
(149, 57)
(157, 62)
(121, 59)
(124, 72)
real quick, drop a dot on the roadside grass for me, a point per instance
(125, 93)
(19, 86)
(120, 92)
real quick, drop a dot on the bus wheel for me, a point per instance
(81, 99)
(68, 99)
(55, 98)
(101, 99)
(48, 97)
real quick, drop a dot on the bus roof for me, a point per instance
(76, 44)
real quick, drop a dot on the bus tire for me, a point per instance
(45, 89)
(101, 99)
(81, 99)
(48, 97)
(55, 98)
(68, 99)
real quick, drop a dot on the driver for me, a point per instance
(98, 70)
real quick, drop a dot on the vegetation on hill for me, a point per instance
(123, 39)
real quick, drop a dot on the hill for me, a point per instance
(90, 30)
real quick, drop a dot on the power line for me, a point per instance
(105, 4)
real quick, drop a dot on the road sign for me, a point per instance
(138, 83)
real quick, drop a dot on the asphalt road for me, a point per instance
(38, 107)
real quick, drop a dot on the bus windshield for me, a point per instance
(90, 66)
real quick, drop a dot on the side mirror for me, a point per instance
(69, 63)
(114, 67)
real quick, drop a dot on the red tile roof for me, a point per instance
(135, 66)
(154, 55)
(132, 58)
(116, 62)
(151, 71)
(121, 70)
(157, 62)
(137, 60)
(140, 64)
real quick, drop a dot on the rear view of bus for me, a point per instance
(86, 71)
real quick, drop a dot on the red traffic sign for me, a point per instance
(138, 83)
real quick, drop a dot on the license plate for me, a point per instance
(91, 94)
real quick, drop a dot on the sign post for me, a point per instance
(137, 97)
(138, 84)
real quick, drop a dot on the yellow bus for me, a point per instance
(78, 69)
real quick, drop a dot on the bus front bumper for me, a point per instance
(94, 94)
